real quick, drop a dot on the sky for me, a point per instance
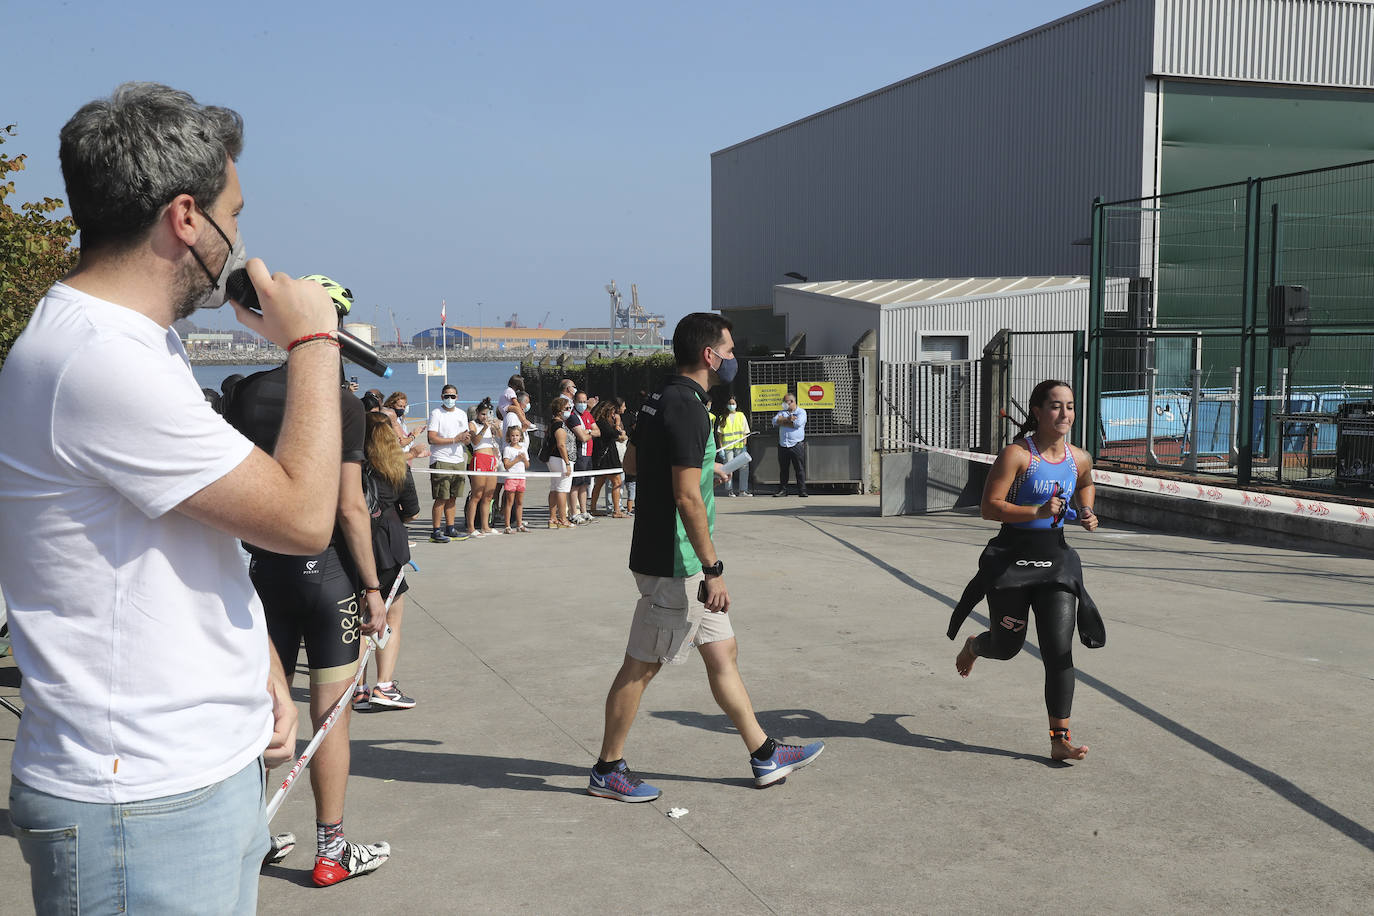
(509, 158)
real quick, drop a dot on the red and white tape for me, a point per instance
(1246, 499)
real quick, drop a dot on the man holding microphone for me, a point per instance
(150, 687)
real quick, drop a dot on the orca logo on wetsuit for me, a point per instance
(1038, 564)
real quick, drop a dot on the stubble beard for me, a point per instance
(191, 287)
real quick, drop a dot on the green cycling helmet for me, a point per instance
(342, 296)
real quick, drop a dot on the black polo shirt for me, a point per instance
(672, 429)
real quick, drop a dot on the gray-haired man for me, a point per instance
(150, 686)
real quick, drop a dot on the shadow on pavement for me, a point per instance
(809, 725)
(1277, 784)
(395, 760)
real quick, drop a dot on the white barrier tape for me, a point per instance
(521, 474)
(1245, 499)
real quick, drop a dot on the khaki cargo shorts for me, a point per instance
(447, 486)
(669, 620)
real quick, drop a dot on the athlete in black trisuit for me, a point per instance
(317, 599)
(1028, 565)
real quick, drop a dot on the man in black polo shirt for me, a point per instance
(682, 597)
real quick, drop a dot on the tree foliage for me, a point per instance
(35, 250)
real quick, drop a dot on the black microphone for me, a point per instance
(240, 288)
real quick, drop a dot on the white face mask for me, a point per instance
(217, 295)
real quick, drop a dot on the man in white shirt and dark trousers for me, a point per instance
(150, 687)
(791, 424)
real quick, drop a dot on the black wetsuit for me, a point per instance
(1029, 567)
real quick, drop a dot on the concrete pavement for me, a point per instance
(1228, 718)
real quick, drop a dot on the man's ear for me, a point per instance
(182, 218)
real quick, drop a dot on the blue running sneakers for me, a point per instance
(785, 759)
(621, 785)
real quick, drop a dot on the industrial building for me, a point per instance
(491, 337)
(988, 166)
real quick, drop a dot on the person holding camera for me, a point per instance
(485, 436)
(683, 601)
(153, 695)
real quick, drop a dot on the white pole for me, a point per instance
(445, 336)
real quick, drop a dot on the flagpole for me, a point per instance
(443, 323)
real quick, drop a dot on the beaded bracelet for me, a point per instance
(322, 335)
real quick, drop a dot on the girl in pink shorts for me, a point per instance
(516, 459)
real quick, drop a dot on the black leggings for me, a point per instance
(1055, 614)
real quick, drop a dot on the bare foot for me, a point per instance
(1063, 748)
(964, 661)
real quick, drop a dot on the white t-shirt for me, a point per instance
(511, 452)
(506, 399)
(448, 423)
(142, 643)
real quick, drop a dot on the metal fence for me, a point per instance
(975, 405)
(930, 403)
(1232, 329)
(845, 419)
(837, 440)
(1036, 356)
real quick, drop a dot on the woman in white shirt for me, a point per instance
(486, 442)
(555, 453)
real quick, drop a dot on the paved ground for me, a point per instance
(1228, 718)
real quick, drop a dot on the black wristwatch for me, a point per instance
(716, 570)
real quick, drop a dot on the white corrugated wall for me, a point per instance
(1062, 309)
(1305, 42)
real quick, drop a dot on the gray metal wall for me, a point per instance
(832, 324)
(987, 166)
(983, 167)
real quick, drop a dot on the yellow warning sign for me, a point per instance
(766, 398)
(816, 395)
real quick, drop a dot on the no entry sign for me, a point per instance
(816, 395)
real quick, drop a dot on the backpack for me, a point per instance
(371, 496)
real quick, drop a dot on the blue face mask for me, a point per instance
(566, 414)
(727, 369)
(450, 403)
(730, 407)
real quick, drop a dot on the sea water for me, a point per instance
(475, 381)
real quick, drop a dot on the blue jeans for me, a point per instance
(740, 479)
(198, 852)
